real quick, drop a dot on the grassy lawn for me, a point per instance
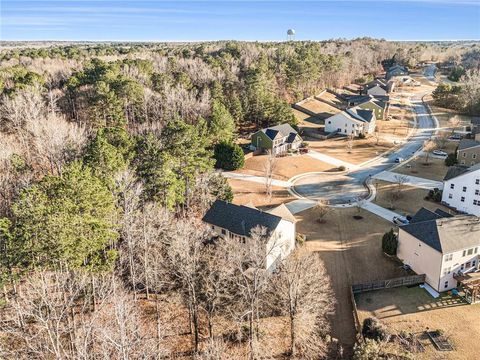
(411, 200)
(434, 170)
(363, 149)
(248, 192)
(414, 310)
(307, 121)
(351, 250)
(285, 167)
(322, 109)
(444, 117)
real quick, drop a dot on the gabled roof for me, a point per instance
(360, 114)
(238, 219)
(459, 170)
(468, 144)
(425, 215)
(376, 82)
(282, 130)
(282, 211)
(362, 99)
(447, 235)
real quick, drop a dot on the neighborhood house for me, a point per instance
(353, 121)
(396, 70)
(461, 189)
(377, 87)
(369, 102)
(238, 222)
(276, 139)
(468, 152)
(443, 247)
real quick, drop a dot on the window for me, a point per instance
(447, 271)
(464, 189)
(462, 199)
(464, 155)
(464, 252)
(450, 196)
(448, 257)
(213, 227)
(224, 232)
(477, 181)
(477, 192)
(470, 251)
(474, 156)
(462, 162)
(476, 249)
(452, 186)
(446, 284)
(329, 122)
(475, 202)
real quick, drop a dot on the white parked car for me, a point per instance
(439, 153)
(399, 160)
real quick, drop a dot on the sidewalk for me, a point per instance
(409, 180)
(257, 179)
(300, 205)
(331, 160)
(380, 211)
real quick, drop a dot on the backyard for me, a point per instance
(248, 192)
(413, 310)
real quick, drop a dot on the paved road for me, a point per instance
(257, 179)
(343, 189)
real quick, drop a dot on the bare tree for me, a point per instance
(377, 134)
(321, 210)
(454, 122)
(428, 147)
(349, 144)
(305, 296)
(400, 180)
(269, 168)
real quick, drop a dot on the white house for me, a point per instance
(353, 121)
(238, 221)
(461, 189)
(442, 248)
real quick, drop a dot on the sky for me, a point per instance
(195, 20)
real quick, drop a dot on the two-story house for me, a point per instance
(378, 105)
(440, 247)
(461, 189)
(238, 222)
(276, 139)
(353, 121)
(468, 153)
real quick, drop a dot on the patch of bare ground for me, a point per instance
(362, 150)
(435, 169)
(248, 192)
(351, 250)
(403, 199)
(285, 167)
(413, 310)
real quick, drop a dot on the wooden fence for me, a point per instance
(388, 284)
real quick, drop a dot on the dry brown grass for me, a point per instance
(414, 310)
(285, 167)
(351, 250)
(410, 201)
(445, 115)
(247, 192)
(322, 109)
(434, 170)
(363, 149)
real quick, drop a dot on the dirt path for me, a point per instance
(351, 250)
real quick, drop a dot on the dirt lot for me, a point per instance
(322, 109)
(414, 310)
(351, 250)
(248, 192)
(363, 149)
(444, 117)
(411, 200)
(285, 167)
(435, 170)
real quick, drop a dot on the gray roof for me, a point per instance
(360, 114)
(361, 99)
(475, 121)
(447, 235)
(376, 82)
(458, 170)
(239, 219)
(284, 130)
(424, 215)
(467, 144)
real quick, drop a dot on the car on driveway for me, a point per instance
(455, 137)
(399, 220)
(399, 160)
(439, 153)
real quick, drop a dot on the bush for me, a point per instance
(361, 136)
(451, 159)
(228, 156)
(390, 243)
(342, 168)
(435, 195)
(373, 329)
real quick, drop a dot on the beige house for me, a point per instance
(468, 153)
(353, 121)
(441, 246)
(238, 222)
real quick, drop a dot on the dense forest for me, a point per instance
(107, 164)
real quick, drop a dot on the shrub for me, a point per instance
(390, 243)
(435, 195)
(451, 159)
(361, 136)
(228, 156)
(373, 329)
(342, 168)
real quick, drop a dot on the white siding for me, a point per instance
(343, 124)
(471, 195)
